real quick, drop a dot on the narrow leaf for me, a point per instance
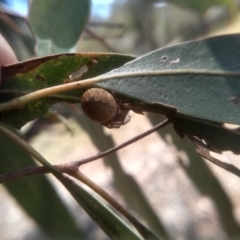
(197, 79)
(26, 77)
(112, 225)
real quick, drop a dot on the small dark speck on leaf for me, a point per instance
(40, 78)
(92, 62)
(234, 100)
(164, 58)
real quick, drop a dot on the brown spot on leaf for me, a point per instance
(40, 78)
(163, 59)
(92, 62)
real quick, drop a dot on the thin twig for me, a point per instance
(138, 225)
(30, 171)
(73, 172)
(69, 167)
(132, 140)
(81, 177)
(100, 39)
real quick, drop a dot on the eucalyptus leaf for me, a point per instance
(26, 77)
(198, 79)
(58, 23)
(111, 224)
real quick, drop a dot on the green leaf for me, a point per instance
(197, 79)
(26, 77)
(60, 22)
(35, 194)
(111, 224)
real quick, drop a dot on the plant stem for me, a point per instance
(81, 177)
(68, 167)
(124, 144)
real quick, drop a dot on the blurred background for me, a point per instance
(160, 179)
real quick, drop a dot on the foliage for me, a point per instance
(194, 84)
